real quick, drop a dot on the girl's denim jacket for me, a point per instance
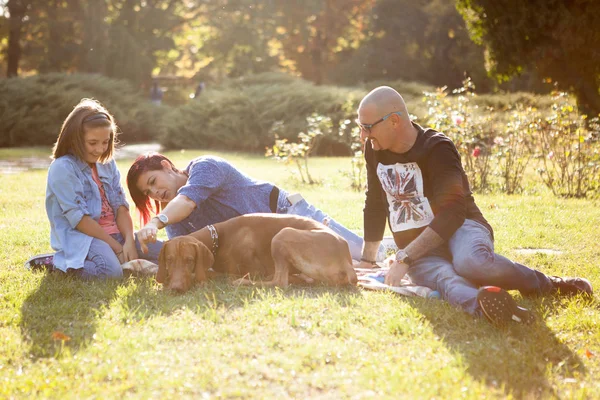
(71, 193)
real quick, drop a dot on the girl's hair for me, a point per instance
(88, 114)
(146, 162)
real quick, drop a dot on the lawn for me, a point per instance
(64, 338)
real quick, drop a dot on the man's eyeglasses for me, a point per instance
(367, 127)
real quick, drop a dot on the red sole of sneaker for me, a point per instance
(499, 307)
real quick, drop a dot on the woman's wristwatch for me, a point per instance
(163, 219)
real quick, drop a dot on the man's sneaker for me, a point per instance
(499, 307)
(571, 286)
(40, 262)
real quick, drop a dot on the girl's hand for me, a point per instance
(118, 249)
(147, 235)
(121, 257)
(129, 250)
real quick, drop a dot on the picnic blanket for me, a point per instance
(373, 279)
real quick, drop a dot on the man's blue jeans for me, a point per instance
(302, 208)
(474, 264)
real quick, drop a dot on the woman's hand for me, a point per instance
(147, 235)
(129, 250)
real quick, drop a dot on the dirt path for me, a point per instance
(18, 165)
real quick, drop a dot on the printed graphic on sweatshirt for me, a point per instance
(403, 186)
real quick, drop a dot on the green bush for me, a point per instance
(265, 78)
(239, 114)
(32, 109)
(505, 101)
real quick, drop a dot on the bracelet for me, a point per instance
(373, 262)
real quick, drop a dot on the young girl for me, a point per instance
(91, 228)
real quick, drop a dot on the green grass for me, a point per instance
(129, 339)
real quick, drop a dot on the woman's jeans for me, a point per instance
(102, 262)
(474, 264)
(303, 209)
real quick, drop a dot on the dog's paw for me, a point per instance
(140, 267)
(242, 282)
(302, 278)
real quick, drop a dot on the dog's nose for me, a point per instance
(349, 277)
(353, 279)
(178, 289)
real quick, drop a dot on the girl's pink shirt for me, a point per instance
(107, 217)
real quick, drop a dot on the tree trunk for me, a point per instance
(17, 10)
(316, 56)
(95, 38)
(53, 60)
(588, 97)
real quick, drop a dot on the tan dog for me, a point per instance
(257, 244)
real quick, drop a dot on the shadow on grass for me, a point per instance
(63, 313)
(514, 358)
(218, 293)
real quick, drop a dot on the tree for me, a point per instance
(117, 38)
(559, 39)
(233, 38)
(17, 10)
(303, 37)
(139, 29)
(314, 32)
(94, 47)
(416, 40)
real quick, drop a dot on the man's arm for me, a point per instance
(424, 243)
(374, 213)
(449, 202)
(421, 245)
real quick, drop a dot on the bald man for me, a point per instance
(415, 179)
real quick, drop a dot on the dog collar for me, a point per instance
(215, 239)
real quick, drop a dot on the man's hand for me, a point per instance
(396, 273)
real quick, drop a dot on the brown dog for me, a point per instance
(262, 244)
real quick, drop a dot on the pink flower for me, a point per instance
(499, 140)
(476, 152)
(457, 119)
(551, 155)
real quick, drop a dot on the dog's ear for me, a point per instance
(161, 275)
(351, 273)
(204, 260)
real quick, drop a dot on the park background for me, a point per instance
(515, 85)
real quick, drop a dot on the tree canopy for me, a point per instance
(560, 39)
(323, 41)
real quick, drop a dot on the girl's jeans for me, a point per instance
(102, 262)
(474, 264)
